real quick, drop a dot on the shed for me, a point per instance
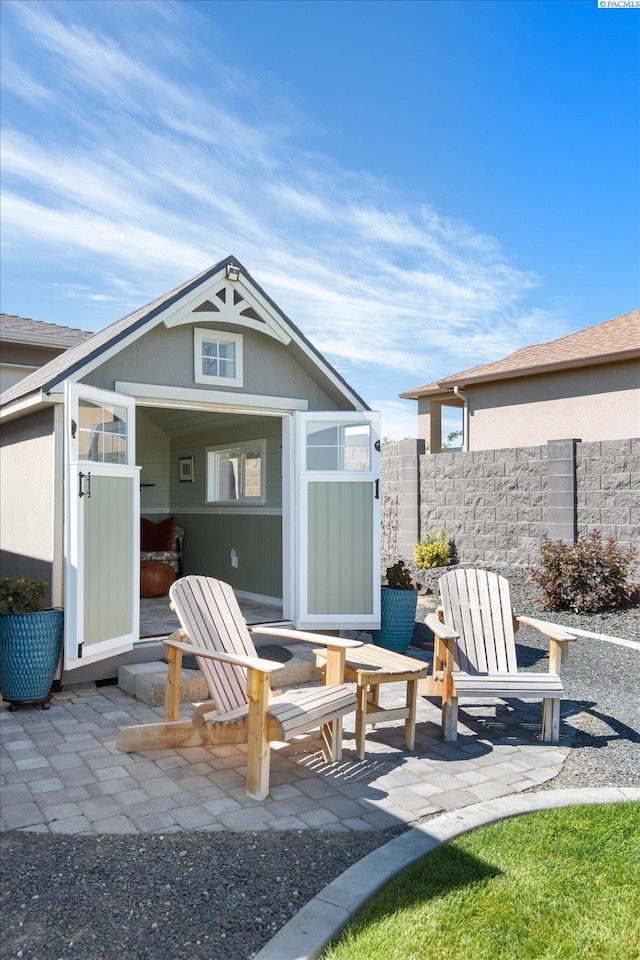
(208, 405)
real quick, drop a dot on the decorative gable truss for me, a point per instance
(226, 302)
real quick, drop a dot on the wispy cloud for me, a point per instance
(131, 157)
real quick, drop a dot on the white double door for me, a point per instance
(331, 513)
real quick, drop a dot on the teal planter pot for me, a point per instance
(397, 619)
(29, 653)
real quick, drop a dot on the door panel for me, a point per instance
(102, 607)
(341, 530)
(337, 521)
(108, 522)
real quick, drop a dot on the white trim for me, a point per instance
(228, 312)
(289, 499)
(200, 336)
(158, 395)
(57, 574)
(259, 598)
(252, 509)
(30, 404)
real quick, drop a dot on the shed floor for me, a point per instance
(158, 620)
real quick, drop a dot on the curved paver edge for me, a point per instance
(320, 921)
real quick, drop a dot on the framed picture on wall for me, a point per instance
(186, 469)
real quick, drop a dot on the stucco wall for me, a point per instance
(595, 403)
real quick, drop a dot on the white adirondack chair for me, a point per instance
(242, 708)
(475, 650)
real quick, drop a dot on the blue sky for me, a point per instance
(421, 186)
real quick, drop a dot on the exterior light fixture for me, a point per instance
(233, 272)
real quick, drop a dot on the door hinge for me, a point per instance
(79, 654)
(74, 429)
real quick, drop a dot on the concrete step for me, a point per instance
(147, 681)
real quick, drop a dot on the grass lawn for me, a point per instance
(556, 885)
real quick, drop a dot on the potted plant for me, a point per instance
(30, 641)
(397, 609)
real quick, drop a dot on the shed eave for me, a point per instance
(29, 404)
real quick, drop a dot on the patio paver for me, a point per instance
(76, 781)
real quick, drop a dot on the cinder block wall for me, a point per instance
(608, 489)
(491, 502)
(400, 488)
(496, 504)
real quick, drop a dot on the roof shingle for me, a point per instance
(603, 343)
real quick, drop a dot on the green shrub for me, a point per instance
(21, 595)
(588, 576)
(399, 577)
(434, 550)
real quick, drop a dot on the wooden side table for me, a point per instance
(369, 667)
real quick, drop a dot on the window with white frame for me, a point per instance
(217, 357)
(236, 474)
(338, 446)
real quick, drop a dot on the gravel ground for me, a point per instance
(222, 896)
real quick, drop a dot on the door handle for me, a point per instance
(377, 493)
(81, 486)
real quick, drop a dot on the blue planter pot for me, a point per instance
(397, 619)
(29, 653)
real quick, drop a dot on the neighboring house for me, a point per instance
(26, 345)
(209, 405)
(584, 386)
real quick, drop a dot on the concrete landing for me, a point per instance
(147, 681)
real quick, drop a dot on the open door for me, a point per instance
(337, 521)
(102, 545)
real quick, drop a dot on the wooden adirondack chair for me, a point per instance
(475, 650)
(242, 708)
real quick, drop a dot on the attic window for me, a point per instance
(217, 357)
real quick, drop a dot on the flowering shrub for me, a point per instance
(433, 550)
(588, 576)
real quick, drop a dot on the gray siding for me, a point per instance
(257, 540)
(194, 494)
(213, 531)
(26, 503)
(165, 356)
(153, 456)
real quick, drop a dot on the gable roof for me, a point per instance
(23, 330)
(617, 339)
(90, 350)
